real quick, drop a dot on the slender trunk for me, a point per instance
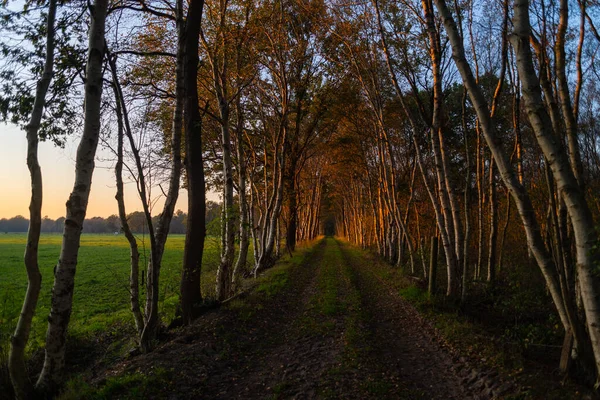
(517, 152)
(191, 295)
(413, 124)
(421, 241)
(520, 195)
(517, 130)
(158, 237)
(164, 220)
(225, 270)
(480, 204)
(450, 212)
(152, 283)
(16, 360)
(240, 264)
(317, 229)
(278, 240)
(406, 235)
(253, 224)
(491, 270)
(567, 184)
(292, 226)
(270, 224)
(467, 202)
(569, 117)
(64, 275)
(134, 286)
(504, 232)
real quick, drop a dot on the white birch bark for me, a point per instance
(577, 207)
(64, 276)
(518, 192)
(16, 360)
(219, 62)
(240, 264)
(225, 270)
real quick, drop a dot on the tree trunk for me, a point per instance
(191, 295)
(64, 275)
(504, 232)
(520, 195)
(480, 204)
(292, 226)
(155, 250)
(452, 228)
(273, 202)
(569, 188)
(225, 270)
(493, 239)
(266, 257)
(16, 360)
(134, 286)
(240, 264)
(158, 235)
(569, 117)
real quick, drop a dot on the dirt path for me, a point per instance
(332, 331)
(403, 356)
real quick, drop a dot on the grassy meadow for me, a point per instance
(101, 296)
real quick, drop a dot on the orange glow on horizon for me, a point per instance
(58, 174)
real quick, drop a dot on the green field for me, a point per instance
(101, 295)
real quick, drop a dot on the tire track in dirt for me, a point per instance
(310, 343)
(402, 360)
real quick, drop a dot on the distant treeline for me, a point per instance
(110, 224)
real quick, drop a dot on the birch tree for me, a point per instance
(559, 164)
(16, 362)
(565, 174)
(62, 290)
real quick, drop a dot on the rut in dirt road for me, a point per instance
(402, 357)
(331, 330)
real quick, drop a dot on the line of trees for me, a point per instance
(246, 121)
(111, 224)
(478, 138)
(386, 122)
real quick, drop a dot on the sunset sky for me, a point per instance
(58, 172)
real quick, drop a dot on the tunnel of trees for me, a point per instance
(392, 124)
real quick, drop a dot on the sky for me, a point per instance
(58, 174)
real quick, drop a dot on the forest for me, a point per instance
(444, 150)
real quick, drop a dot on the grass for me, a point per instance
(276, 282)
(326, 304)
(131, 386)
(414, 294)
(272, 281)
(101, 295)
(356, 337)
(328, 298)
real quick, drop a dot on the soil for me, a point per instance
(334, 331)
